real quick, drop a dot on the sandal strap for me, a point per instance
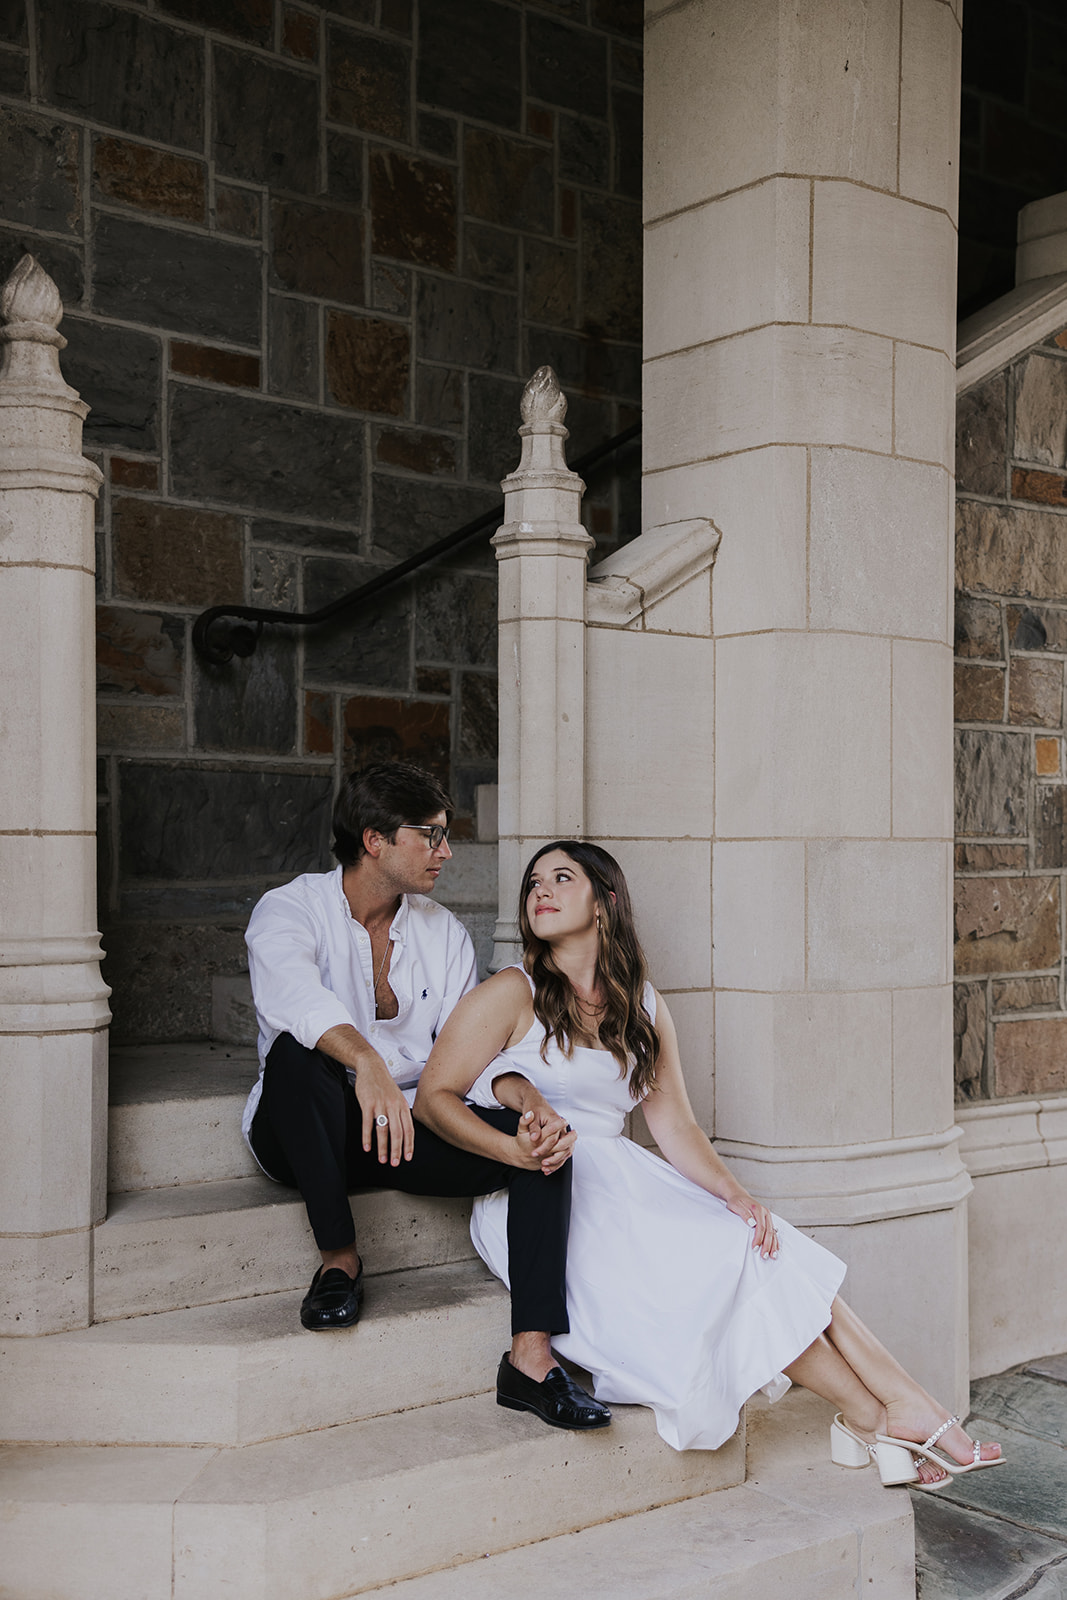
(934, 1437)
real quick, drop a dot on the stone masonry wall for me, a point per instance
(1011, 781)
(309, 254)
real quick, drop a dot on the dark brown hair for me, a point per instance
(626, 1028)
(383, 796)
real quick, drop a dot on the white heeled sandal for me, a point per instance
(896, 1458)
(847, 1449)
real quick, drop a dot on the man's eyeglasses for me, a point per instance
(435, 834)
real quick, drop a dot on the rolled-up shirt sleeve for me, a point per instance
(283, 962)
(481, 1093)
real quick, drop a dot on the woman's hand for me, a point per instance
(531, 1151)
(548, 1134)
(759, 1219)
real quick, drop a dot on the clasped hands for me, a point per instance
(542, 1142)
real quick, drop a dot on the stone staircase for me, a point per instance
(195, 1442)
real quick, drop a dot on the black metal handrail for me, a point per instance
(237, 639)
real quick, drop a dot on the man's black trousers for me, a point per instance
(308, 1133)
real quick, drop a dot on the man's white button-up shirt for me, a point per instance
(311, 969)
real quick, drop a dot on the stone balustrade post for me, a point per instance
(542, 550)
(53, 1002)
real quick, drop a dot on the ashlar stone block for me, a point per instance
(1011, 550)
(1006, 924)
(1041, 409)
(174, 554)
(266, 121)
(969, 1039)
(818, 762)
(878, 913)
(40, 172)
(879, 574)
(781, 385)
(54, 1098)
(123, 69)
(1025, 994)
(153, 180)
(508, 181)
(922, 1057)
(1050, 826)
(380, 729)
(138, 652)
(318, 250)
(368, 83)
(760, 500)
(670, 884)
(1030, 1056)
(627, 757)
(929, 109)
(475, 70)
(982, 437)
(924, 402)
(991, 777)
(733, 263)
(702, 137)
(796, 1069)
(183, 281)
(922, 741)
(254, 452)
(978, 630)
(880, 264)
(368, 363)
(758, 889)
(979, 694)
(413, 206)
(566, 66)
(1035, 692)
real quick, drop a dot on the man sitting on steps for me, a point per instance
(353, 973)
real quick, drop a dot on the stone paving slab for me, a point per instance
(1054, 1367)
(1034, 1406)
(1001, 1534)
(1030, 1490)
(963, 1556)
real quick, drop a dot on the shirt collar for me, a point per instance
(399, 923)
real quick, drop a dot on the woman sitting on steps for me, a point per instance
(685, 1293)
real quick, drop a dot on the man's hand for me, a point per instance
(379, 1096)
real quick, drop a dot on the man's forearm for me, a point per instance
(348, 1046)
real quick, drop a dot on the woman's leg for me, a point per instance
(913, 1415)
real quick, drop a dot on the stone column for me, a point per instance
(542, 550)
(800, 208)
(53, 1003)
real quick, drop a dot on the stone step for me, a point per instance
(175, 1114)
(747, 1543)
(245, 1370)
(197, 1243)
(333, 1513)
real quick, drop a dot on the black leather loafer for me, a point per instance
(557, 1399)
(333, 1301)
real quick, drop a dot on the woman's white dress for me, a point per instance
(670, 1307)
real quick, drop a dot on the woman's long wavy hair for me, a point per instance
(625, 1028)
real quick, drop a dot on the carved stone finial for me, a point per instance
(30, 340)
(542, 399)
(29, 295)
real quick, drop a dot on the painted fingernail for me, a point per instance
(752, 1222)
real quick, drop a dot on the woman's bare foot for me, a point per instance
(912, 1424)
